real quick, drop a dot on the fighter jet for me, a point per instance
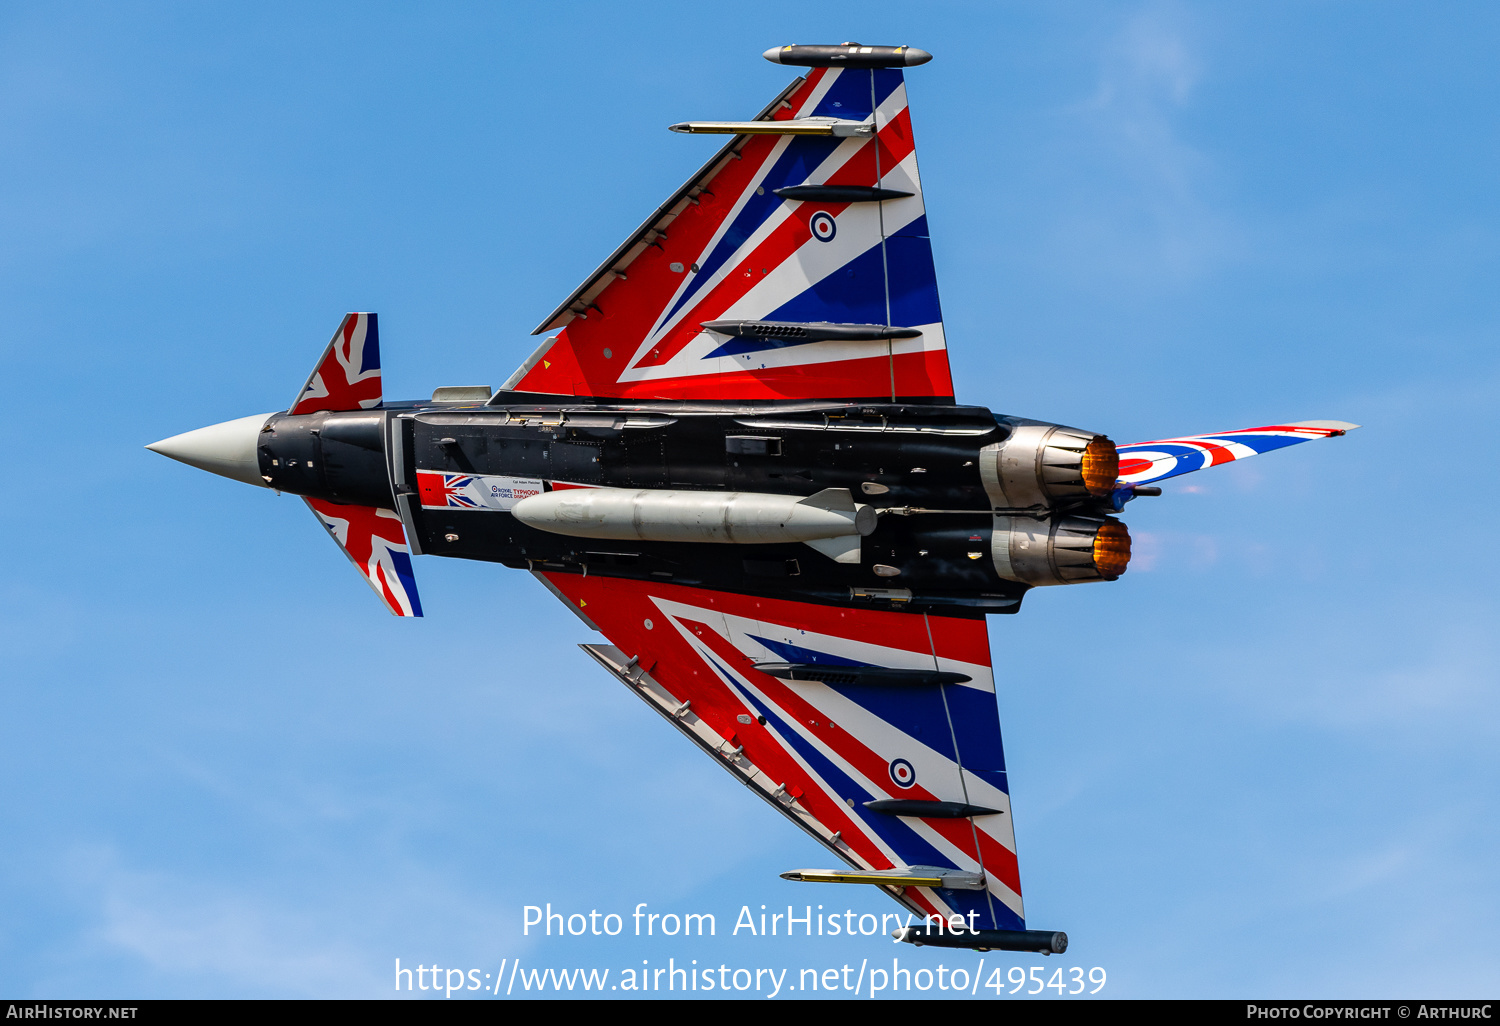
(738, 456)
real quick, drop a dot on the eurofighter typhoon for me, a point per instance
(738, 456)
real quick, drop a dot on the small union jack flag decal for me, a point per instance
(441, 490)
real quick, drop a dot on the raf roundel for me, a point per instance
(823, 226)
(902, 774)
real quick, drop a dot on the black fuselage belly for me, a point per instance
(920, 460)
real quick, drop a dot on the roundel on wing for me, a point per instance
(902, 773)
(823, 226)
(1139, 463)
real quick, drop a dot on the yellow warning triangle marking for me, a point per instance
(546, 364)
(581, 603)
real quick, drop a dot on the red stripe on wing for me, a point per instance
(616, 606)
(999, 861)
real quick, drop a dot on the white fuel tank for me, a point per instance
(726, 518)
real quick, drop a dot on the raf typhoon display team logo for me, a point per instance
(823, 227)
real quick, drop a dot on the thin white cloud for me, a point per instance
(1431, 674)
(1144, 211)
(190, 936)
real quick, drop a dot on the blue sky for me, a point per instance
(1262, 764)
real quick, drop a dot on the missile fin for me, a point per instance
(835, 500)
(843, 549)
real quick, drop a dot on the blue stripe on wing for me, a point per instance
(905, 842)
(801, 157)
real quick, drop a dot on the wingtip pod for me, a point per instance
(1046, 942)
(847, 55)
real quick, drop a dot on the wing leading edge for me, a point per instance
(902, 774)
(797, 248)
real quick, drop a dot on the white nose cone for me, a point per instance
(226, 449)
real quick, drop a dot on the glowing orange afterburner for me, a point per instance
(1101, 468)
(1112, 550)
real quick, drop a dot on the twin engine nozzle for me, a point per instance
(1036, 479)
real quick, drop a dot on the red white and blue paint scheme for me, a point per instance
(348, 375)
(821, 750)
(375, 543)
(1144, 462)
(739, 458)
(778, 229)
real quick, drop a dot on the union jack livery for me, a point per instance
(795, 265)
(737, 456)
(375, 543)
(348, 375)
(825, 742)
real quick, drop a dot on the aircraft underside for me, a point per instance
(460, 469)
(738, 457)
